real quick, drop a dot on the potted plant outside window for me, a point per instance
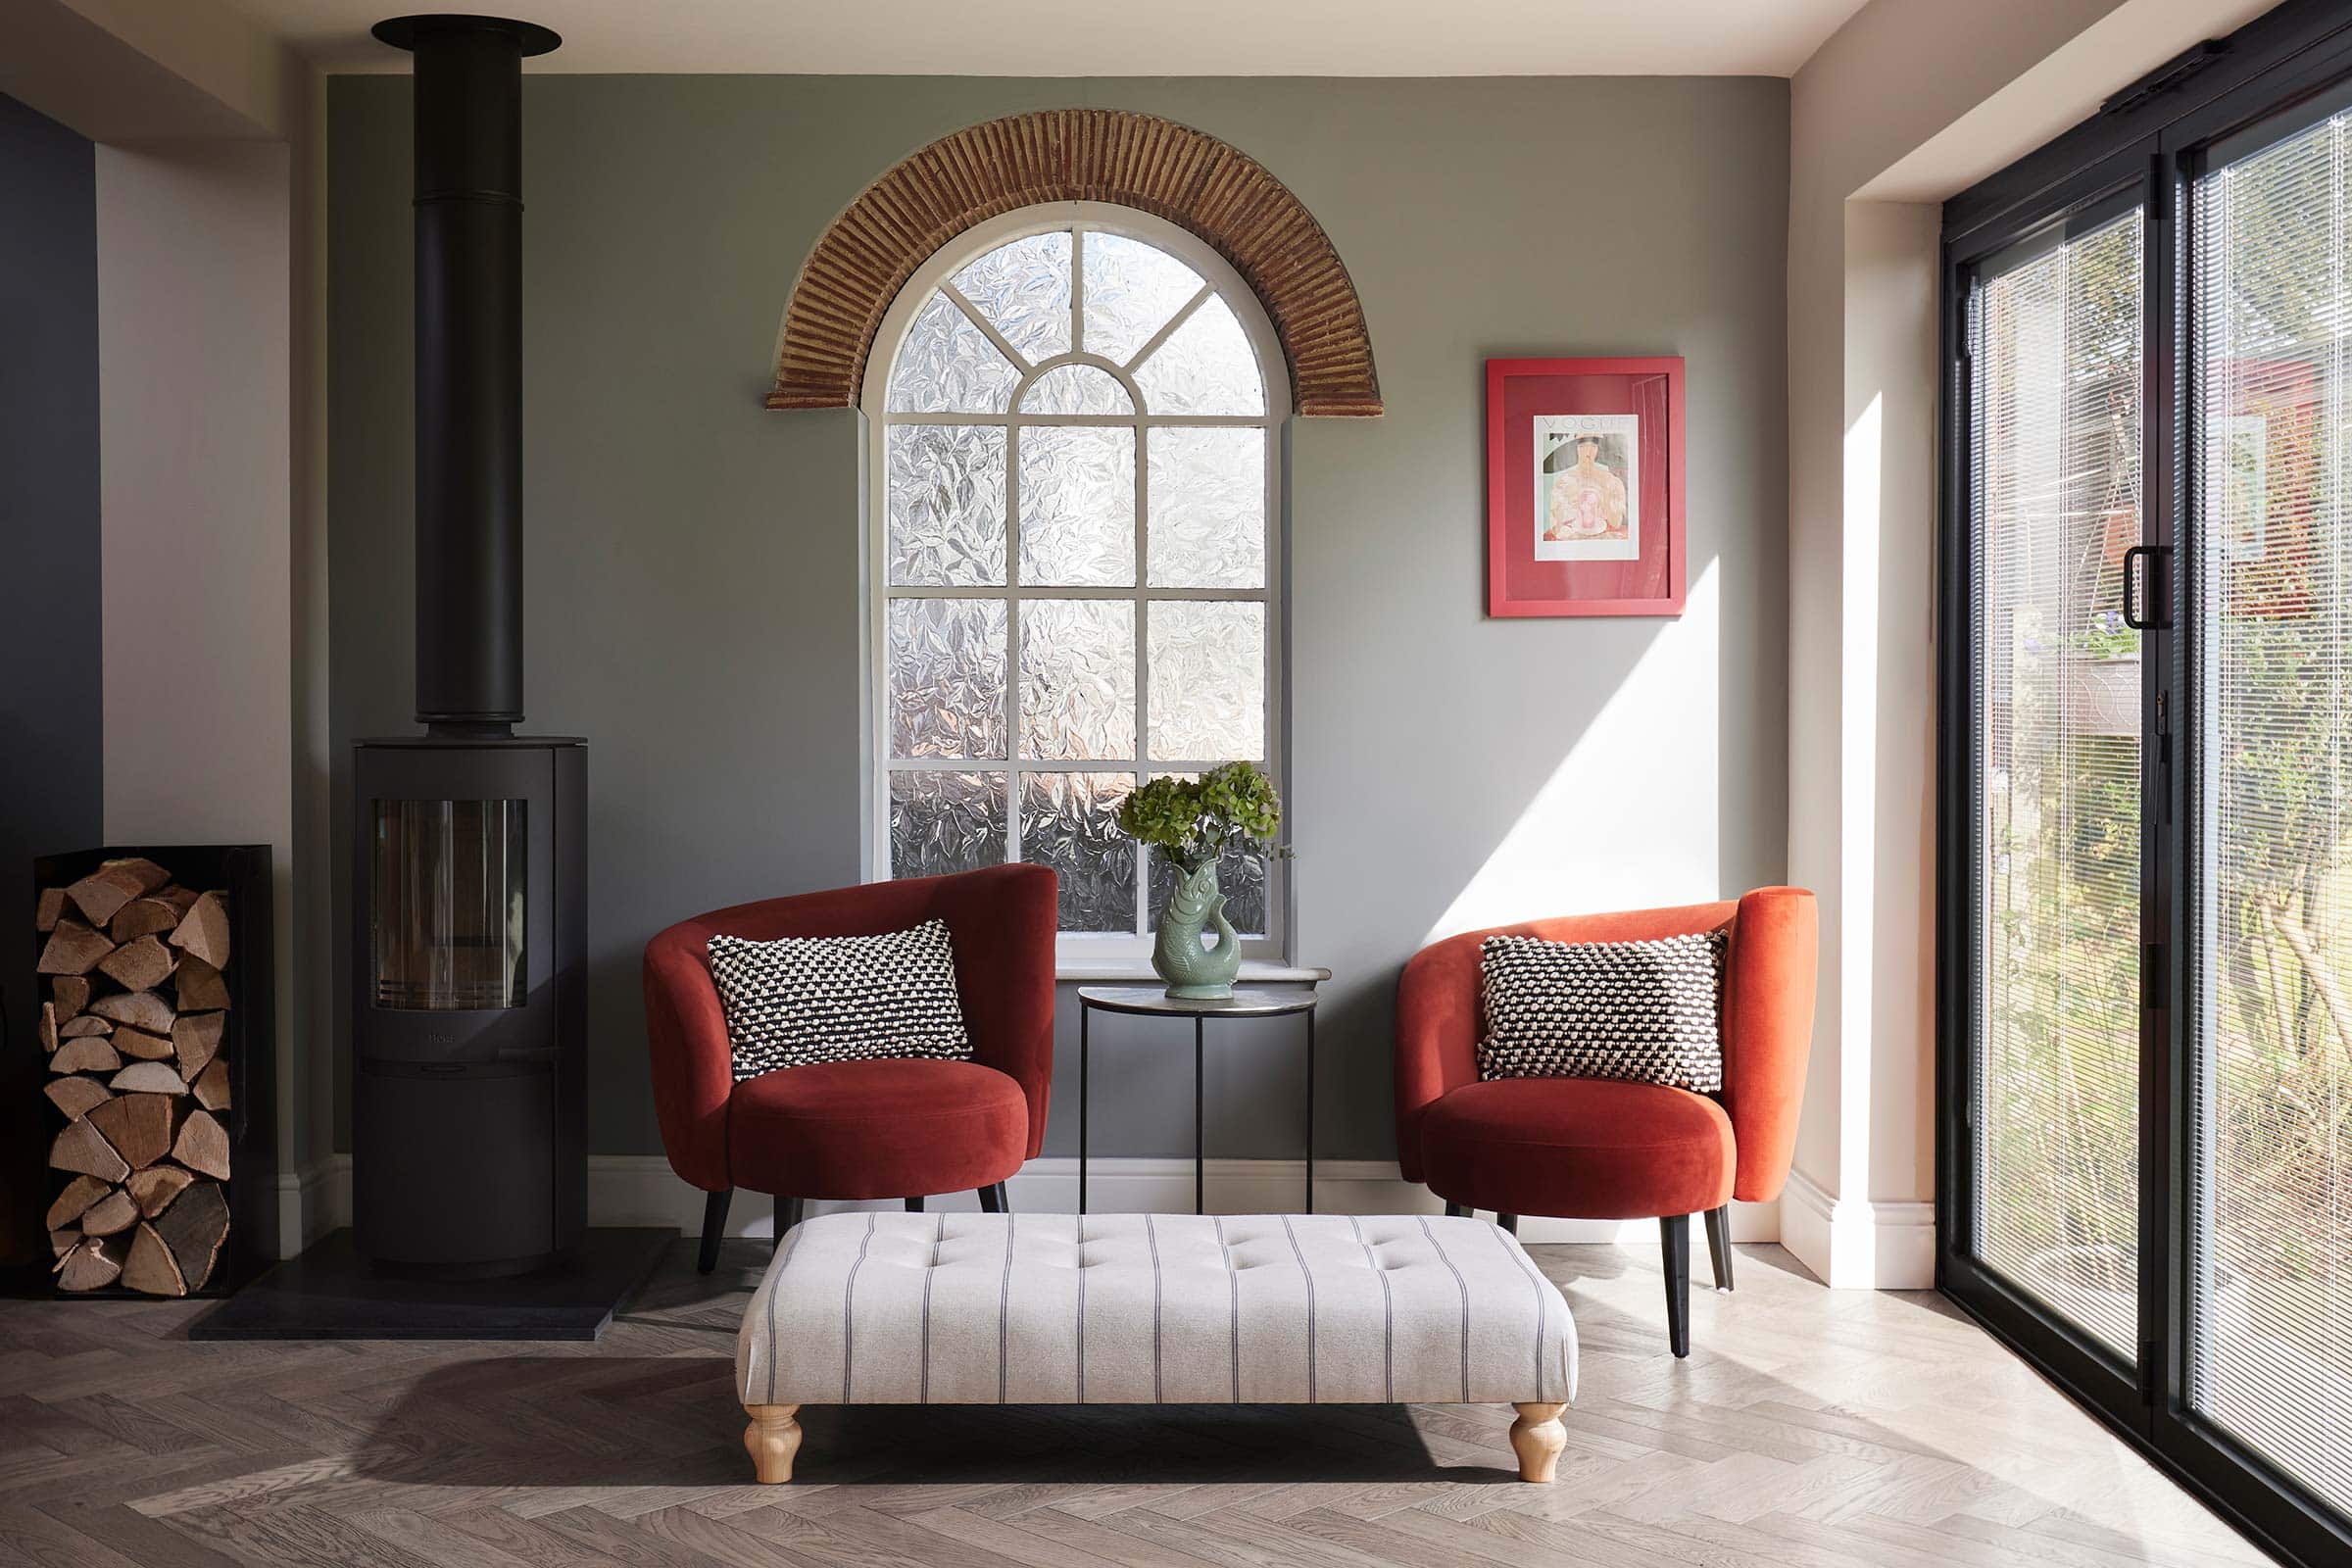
(2103, 678)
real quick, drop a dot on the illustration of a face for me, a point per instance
(1587, 451)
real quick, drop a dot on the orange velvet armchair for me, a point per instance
(891, 1128)
(1597, 1148)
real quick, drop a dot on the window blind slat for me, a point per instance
(2270, 1328)
(2056, 421)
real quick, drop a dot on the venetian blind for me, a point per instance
(2055, 433)
(2270, 1326)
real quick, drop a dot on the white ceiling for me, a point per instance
(1127, 37)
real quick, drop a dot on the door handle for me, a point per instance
(2135, 616)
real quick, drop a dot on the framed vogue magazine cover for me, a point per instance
(1585, 487)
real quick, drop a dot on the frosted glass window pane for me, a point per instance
(1207, 663)
(943, 823)
(1205, 366)
(946, 678)
(1240, 878)
(1023, 289)
(947, 505)
(1078, 678)
(1077, 506)
(1077, 389)
(1208, 506)
(1069, 823)
(1132, 290)
(947, 366)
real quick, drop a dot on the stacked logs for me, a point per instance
(138, 1077)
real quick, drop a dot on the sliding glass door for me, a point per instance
(2054, 1095)
(2145, 630)
(2269, 1184)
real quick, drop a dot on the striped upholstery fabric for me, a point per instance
(1152, 1309)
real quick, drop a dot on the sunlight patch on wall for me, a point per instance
(1857, 888)
(1631, 818)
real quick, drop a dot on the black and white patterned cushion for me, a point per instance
(799, 1001)
(1644, 1011)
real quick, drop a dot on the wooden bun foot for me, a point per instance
(1537, 1436)
(771, 1438)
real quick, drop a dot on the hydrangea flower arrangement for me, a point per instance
(1194, 821)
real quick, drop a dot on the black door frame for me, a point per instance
(2089, 1370)
(2276, 75)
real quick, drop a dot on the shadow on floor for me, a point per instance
(1808, 1425)
(673, 1420)
(623, 1419)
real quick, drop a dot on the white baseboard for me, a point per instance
(1855, 1243)
(642, 1190)
(312, 1202)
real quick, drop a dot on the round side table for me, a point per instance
(1154, 1002)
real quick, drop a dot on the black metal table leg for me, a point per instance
(1200, 1117)
(1310, 1112)
(1085, 1012)
(1243, 1005)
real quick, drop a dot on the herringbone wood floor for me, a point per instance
(1843, 1430)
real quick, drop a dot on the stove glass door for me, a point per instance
(447, 928)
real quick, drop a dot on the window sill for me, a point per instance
(1255, 972)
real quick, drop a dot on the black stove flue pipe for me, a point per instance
(469, 150)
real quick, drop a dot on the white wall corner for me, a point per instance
(1855, 1244)
(1908, 103)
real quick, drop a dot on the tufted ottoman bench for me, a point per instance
(1152, 1309)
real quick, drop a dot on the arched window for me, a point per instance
(1075, 415)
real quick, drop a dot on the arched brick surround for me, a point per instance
(1100, 154)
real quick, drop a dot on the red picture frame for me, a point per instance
(1604, 439)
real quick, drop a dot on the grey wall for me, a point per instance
(694, 594)
(50, 704)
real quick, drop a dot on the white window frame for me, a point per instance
(1077, 952)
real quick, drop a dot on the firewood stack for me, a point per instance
(133, 1026)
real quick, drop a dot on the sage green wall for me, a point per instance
(694, 592)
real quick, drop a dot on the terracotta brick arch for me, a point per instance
(1100, 154)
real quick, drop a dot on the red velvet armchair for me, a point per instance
(902, 1128)
(1597, 1148)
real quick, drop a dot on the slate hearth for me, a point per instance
(332, 1293)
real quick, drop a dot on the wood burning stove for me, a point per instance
(469, 1099)
(468, 947)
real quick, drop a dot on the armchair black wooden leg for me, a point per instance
(914, 1205)
(714, 1228)
(991, 1199)
(1674, 1246)
(1509, 1222)
(1719, 1244)
(788, 1214)
(1457, 1210)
